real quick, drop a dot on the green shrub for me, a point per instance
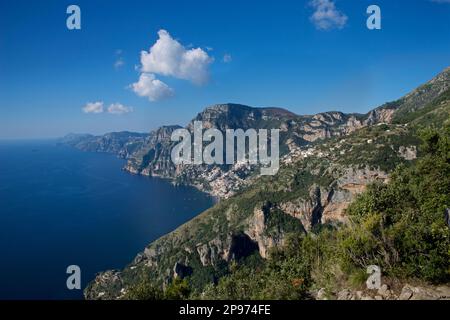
(400, 226)
(144, 291)
(177, 290)
(282, 276)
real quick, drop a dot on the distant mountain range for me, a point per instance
(327, 160)
(149, 154)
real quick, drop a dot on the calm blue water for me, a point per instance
(60, 206)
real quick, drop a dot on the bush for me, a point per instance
(144, 291)
(282, 276)
(400, 226)
(177, 290)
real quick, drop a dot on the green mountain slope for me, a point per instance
(316, 184)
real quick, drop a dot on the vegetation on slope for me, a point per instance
(399, 226)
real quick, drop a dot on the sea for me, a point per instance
(60, 206)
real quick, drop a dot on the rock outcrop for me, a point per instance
(406, 292)
(257, 231)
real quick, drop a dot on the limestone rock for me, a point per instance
(384, 291)
(322, 294)
(345, 294)
(181, 271)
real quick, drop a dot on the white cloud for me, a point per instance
(99, 107)
(169, 57)
(227, 58)
(152, 88)
(326, 16)
(93, 107)
(118, 108)
(119, 63)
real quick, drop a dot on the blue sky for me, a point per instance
(277, 55)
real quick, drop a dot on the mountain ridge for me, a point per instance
(150, 155)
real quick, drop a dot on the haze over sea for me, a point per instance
(60, 206)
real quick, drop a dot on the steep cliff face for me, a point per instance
(154, 153)
(380, 115)
(328, 204)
